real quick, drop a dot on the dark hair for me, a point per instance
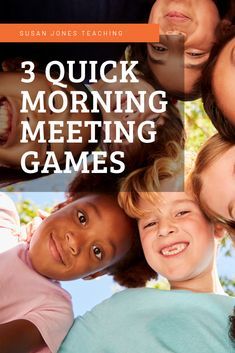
(219, 120)
(195, 93)
(9, 176)
(223, 6)
(132, 270)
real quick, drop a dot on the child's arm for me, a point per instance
(20, 336)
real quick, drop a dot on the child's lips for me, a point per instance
(5, 120)
(174, 249)
(56, 250)
(8, 121)
(176, 16)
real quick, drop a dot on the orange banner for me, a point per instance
(64, 32)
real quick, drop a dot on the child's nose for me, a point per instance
(72, 243)
(166, 228)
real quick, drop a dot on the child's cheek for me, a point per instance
(155, 245)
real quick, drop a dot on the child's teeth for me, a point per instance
(3, 117)
(174, 249)
(4, 122)
(3, 113)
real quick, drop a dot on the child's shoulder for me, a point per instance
(7, 205)
(165, 313)
(154, 299)
(5, 200)
(9, 223)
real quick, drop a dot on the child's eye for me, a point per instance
(159, 47)
(97, 252)
(181, 213)
(82, 218)
(150, 224)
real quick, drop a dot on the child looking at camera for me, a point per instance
(179, 242)
(87, 236)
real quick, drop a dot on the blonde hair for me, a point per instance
(145, 182)
(213, 149)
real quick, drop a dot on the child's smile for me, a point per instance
(177, 239)
(82, 238)
(174, 249)
(56, 250)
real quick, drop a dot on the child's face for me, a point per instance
(11, 150)
(187, 31)
(84, 237)
(218, 185)
(223, 82)
(176, 237)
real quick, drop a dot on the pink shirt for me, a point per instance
(9, 223)
(27, 295)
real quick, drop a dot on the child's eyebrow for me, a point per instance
(177, 202)
(94, 208)
(150, 212)
(144, 215)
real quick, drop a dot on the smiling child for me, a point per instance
(87, 236)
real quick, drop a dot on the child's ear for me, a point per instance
(95, 275)
(220, 231)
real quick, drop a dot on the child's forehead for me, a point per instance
(96, 198)
(104, 205)
(157, 201)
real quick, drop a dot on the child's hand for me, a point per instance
(29, 229)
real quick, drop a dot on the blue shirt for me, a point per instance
(148, 320)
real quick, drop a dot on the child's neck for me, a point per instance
(207, 282)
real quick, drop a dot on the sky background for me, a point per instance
(86, 294)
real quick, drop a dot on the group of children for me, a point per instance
(134, 231)
(179, 242)
(90, 235)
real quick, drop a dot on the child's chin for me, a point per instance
(177, 278)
